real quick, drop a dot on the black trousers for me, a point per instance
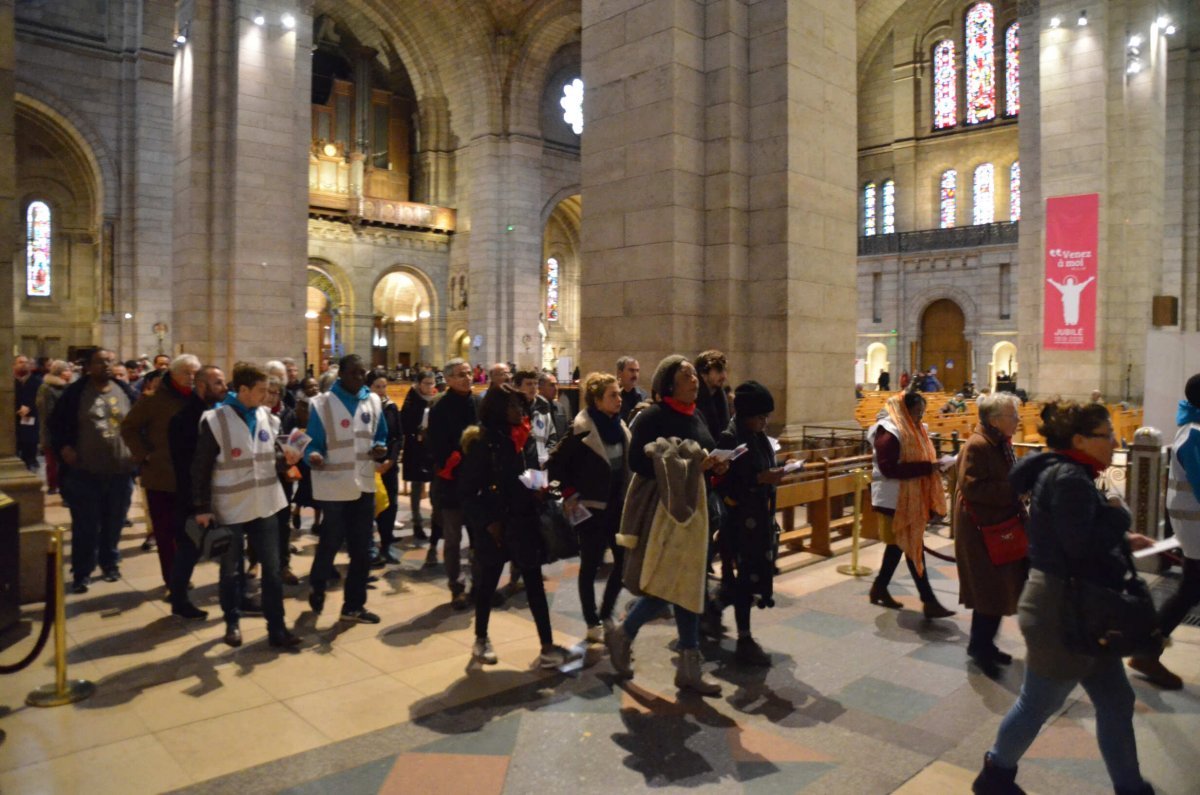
(535, 591)
(593, 540)
(891, 559)
(1179, 603)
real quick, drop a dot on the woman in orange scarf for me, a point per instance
(906, 489)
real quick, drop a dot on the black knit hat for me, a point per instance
(752, 399)
(1192, 390)
(663, 382)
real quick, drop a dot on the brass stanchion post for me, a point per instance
(63, 690)
(861, 479)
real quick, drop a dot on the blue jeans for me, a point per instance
(354, 522)
(263, 536)
(99, 504)
(687, 623)
(1110, 692)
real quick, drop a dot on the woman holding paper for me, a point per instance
(502, 515)
(592, 467)
(669, 454)
(907, 491)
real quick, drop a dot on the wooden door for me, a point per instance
(943, 343)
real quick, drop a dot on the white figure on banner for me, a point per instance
(1070, 293)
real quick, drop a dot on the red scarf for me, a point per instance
(1094, 467)
(520, 434)
(683, 408)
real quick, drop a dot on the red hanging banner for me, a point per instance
(1072, 236)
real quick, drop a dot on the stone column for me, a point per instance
(1088, 126)
(719, 175)
(242, 132)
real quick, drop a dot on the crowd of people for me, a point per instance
(677, 485)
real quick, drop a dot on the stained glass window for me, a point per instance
(948, 195)
(37, 250)
(552, 290)
(1014, 192)
(945, 86)
(1012, 69)
(981, 63)
(984, 200)
(572, 105)
(889, 207)
(869, 209)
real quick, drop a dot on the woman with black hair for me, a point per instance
(1074, 531)
(670, 451)
(389, 471)
(906, 490)
(502, 516)
(417, 466)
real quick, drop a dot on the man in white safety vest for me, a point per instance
(235, 483)
(1183, 509)
(349, 434)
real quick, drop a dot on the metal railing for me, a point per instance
(999, 234)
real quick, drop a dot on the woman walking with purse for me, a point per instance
(592, 467)
(502, 515)
(989, 541)
(1074, 532)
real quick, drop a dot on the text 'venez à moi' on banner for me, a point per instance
(1072, 237)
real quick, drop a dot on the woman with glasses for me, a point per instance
(1074, 530)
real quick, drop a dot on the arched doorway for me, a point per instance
(943, 344)
(559, 315)
(322, 319)
(64, 282)
(460, 345)
(402, 309)
(877, 361)
(1004, 360)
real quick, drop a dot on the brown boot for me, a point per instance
(1156, 673)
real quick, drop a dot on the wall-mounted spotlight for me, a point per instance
(1162, 21)
(1082, 21)
(182, 36)
(259, 18)
(1055, 22)
(288, 21)
(1169, 29)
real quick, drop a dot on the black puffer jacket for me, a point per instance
(1073, 531)
(490, 491)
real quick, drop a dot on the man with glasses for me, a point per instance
(449, 416)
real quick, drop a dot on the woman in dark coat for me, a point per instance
(417, 466)
(1074, 530)
(986, 498)
(592, 466)
(502, 515)
(748, 492)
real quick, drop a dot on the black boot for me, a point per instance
(996, 780)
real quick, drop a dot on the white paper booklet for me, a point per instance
(1166, 545)
(535, 479)
(729, 455)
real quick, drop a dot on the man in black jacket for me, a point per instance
(711, 402)
(628, 371)
(97, 469)
(184, 433)
(450, 415)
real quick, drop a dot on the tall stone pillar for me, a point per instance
(719, 173)
(15, 480)
(242, 132)
(1088, 125)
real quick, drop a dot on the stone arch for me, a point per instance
(327, 278)
(82, 137)
(549, 27)
(423, 336)
(1004, 358)
(920, 302)
(333, 281)
(556, 199)
(460, 346)
(418, 275)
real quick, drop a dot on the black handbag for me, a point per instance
(559, 539)
(1111, 622)
(212, 541)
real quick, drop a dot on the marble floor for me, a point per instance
(859, 700)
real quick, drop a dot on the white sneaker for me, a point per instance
(555, 656)
(483, 651)
(595, 634)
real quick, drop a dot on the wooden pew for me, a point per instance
(820, 488)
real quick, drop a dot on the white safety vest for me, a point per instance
(349, 470)
(1182, 506)
(885, 492)
(244, 483)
